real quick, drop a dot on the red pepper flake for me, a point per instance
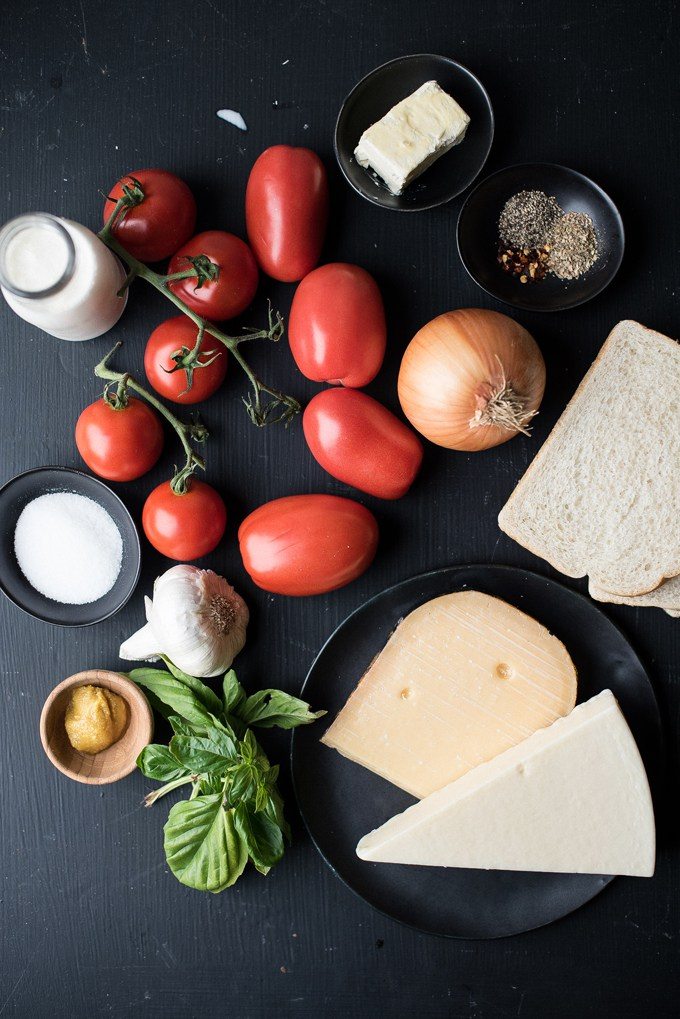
(529, 264)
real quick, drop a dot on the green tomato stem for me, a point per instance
(260, 414)
(195, 351)
(185, 431)
(126, 282)
(185, 274)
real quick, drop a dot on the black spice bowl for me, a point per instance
(478, 236)
(22, 489)
(387, 85)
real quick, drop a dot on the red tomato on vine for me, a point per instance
(174, 336)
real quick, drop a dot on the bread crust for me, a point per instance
(660, 598)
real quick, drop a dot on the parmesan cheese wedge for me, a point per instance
(573, 798)
(462, 678)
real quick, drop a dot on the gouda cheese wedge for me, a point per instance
(462, 678)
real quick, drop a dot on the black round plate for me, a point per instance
(27, 486)
(478, 236)
(340, 801)
(387, 85)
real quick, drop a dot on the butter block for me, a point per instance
(412, 135)
(462, 678)
(573, 798)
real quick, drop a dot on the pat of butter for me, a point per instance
(572, 798)
(412, 135)
(462, 678)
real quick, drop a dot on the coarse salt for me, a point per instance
(68, 548)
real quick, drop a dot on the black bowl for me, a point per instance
(378, 92)
(478, 236)
(22, 489)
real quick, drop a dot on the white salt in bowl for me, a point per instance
(23, 489)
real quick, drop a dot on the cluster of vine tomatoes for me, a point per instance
(299, 544)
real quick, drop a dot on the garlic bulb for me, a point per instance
(196, 619)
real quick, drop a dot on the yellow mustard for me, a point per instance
(95, 718)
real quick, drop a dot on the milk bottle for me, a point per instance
(58, 275)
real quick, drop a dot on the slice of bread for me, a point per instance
(602, 496)
(666, 596)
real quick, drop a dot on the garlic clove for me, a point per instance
(142, 646)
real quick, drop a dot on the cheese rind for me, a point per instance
(461, 679)
(412, 135)
(573, 798)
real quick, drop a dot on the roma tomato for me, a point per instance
(362, 443)
(184, 526)
(163, 221)
(337, 328)
(287, 211)
(307, 544)
(176, 334)
(236, 284)
(119, 443)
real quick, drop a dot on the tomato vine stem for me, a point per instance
(194, 430)
(260, 411)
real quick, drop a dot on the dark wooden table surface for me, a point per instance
(91, 921)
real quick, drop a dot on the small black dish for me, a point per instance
(478, 236)
(340, 801)
(22, 489)
(387, 85)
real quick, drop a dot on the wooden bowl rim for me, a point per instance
(138, 706)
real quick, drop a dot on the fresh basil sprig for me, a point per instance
(235, 811)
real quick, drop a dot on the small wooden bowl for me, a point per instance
(119, 759)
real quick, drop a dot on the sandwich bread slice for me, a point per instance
(602, 496)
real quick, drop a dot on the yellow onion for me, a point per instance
(471, 379)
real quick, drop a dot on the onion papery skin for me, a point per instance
(454, 362)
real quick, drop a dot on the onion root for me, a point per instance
(499, 405)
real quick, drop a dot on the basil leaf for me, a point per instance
(205, 755)
(243, 783)
(261, 797)
(223, 725)
(262, 837)
(268, 708)
(208, 784)
(233, 693)
(156, 761)
(248, 747)
(182, 728)
(274, 811)
(206, 696)
(163, 710)
(202, 847)
(172, 692)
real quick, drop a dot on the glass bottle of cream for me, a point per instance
(58, 275)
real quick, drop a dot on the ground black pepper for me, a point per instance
(527, 219)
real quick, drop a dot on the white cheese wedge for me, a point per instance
(411, 135)
(573, 798)
(461, 679)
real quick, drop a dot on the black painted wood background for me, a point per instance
(92, 923)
